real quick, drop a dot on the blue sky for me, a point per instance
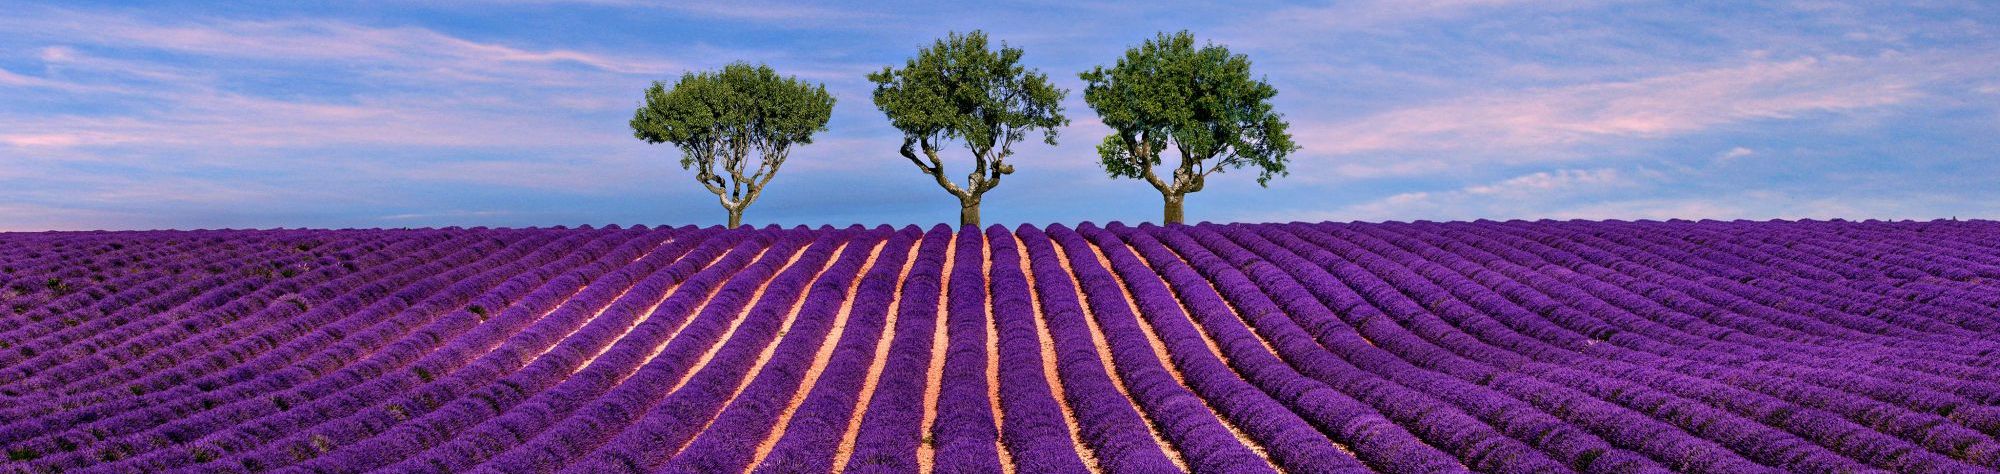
(513, 113)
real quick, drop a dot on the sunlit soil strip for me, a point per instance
(1111, 371)
(820, 360)
(607, 307)
(846, 448)
(926, 451)
(764, 357)
(648, 314)
(579, 290)
(692, 313)
(1048, 345)
(741, 315)
(1229, 305)
(628, 328)
(1160, 350)
(993, 357)
(559, 306)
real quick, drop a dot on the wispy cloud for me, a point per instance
(764, 12)
(1733, 154)
(1545, 181)
(306, 40)
(1621, 201)
(454, 214)
(434, 96)
(217, 119)
(1649, 108)
(217, 113)
(770, 11)
(1368, 14)
(421, 113)
(1758, 204)
(1523, 195)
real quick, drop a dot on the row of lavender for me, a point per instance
(1488, 346)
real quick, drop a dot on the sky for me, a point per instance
(122, 115)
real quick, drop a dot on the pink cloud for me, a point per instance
(12, 79)
(1508, 197)
(42, 140)
(1734, 153)
(509, 103)
(756, 11)
(294, 40)
(211, 120)
(1545, 181)
(1646, 108)
(1385, 13)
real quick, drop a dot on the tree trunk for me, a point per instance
(735, 218)
(968, 213)
(1173, 214)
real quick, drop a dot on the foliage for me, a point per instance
(1167, 94)
(959, 89)
(718, 119)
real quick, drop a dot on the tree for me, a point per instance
(1167, 95)
(959, 89)
(718, 119)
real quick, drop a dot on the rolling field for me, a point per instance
(1627, 347)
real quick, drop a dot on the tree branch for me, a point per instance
(1225, 163)
(771, 159)
(936, 167)
(910, 151)
(1140, 152)
(705, 171)
(737, 160)
(1006, 150)
(992, 179)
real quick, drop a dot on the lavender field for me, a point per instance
(1530, 347)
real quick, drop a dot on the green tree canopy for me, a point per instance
(959, 89)
(1167, 94)
(718, 119)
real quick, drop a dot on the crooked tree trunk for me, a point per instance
(735, 218)
(1173, 213)
(968, 213)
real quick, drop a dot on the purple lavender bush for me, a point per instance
(1517, 347)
